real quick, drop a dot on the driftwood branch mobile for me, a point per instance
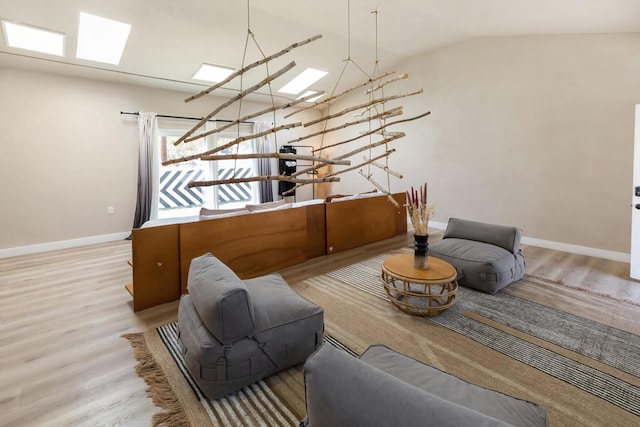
(251, 66)
(373, 111)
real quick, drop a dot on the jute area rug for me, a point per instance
(574, 353)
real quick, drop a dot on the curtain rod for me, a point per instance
(164, 116)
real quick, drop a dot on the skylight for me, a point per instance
(32, 38)
(212, 73)
(303, 81)
(101, 39)
(311, 92)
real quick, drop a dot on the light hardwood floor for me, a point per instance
(63, 361)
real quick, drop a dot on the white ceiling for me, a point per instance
(171, 38)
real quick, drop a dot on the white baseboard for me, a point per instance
(559, 246)
(576, 249)
(438, 225)
(63, 244)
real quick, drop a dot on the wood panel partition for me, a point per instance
(156, 266)
(251, 245)
(353, 223)
(257, 243)
(316, 231)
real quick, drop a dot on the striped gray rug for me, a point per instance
(610, 346)
(256, 405)
(256, 401)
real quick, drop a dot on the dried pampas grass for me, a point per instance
(419, 211)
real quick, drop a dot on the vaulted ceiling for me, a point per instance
(169, 39)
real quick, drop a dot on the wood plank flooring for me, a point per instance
(63, 361)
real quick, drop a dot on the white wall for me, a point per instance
(68, 153)
(530, 131)
(535, 132)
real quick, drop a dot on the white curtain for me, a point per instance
(148, 164)
(264, 144)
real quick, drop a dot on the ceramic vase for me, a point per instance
(420, 249)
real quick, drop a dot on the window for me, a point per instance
(175, 198)
(235, 195)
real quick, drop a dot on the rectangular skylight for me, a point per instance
(212, 73)
(311, 92)
(303, 81)
(32, 38)
(101, 39)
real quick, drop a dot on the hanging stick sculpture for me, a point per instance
(385, 168)
(231, 144)
(358, 107)
(261, 178)
(286, 156)
(251, 66)
(356, 151)
(366, 162)
(374, 131)
(251, 116)
(334, 174)
(373, 109)
(334, 97)
(234, 99)
(379, 187)
(384, 115)
(386, 82)
(372, 145)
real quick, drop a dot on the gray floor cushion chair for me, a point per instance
(386, 388)
(487, 257)
(235, 332)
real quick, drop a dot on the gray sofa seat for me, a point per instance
(487, 257)
(386, 388)
(233, 333)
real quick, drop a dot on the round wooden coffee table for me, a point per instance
(419, 292)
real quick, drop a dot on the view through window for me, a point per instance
(176, 199)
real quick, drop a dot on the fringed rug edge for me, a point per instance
(159, 389)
